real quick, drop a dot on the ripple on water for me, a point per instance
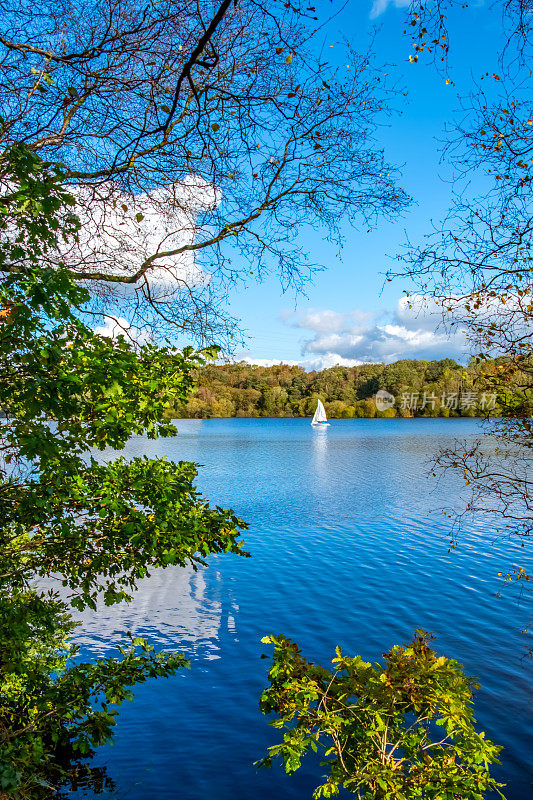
(349, 547)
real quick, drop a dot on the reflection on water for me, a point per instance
(347, 548)
(188, 427)
(170, 608)
(320, 452)
(84, 777)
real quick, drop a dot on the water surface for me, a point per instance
(349, 547)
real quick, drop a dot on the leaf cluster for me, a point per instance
(399, 730)
(55, 710)
(91, 520)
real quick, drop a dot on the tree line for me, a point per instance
(440, 388)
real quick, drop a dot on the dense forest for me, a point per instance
(420, 388)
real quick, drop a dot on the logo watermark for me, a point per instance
(384, 400)
(418, 401)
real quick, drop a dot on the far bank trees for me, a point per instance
(420, 388)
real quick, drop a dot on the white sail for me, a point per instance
(320, 414)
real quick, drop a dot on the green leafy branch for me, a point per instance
(397, 731)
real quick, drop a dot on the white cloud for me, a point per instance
(380, 6)
(309, 364)
(414, 329)
(119, 231)
(268, 362)
(321, 320)
(118, 326)
(426, 313)
(329, 360)
(328, 321)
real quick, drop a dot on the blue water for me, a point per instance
(349, 547)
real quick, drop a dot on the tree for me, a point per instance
(94, 525)
(479, 266)
(197, 140)
(397, 731)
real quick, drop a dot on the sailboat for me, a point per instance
(320, 420)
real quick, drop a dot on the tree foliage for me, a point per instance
(399, 730)
(94, 524)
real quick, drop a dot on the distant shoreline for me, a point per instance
(343, 419)
(404, 389)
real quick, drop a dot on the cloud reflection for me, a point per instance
(173, 609)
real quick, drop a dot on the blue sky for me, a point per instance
(346, 316)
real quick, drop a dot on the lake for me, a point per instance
(350, 547)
